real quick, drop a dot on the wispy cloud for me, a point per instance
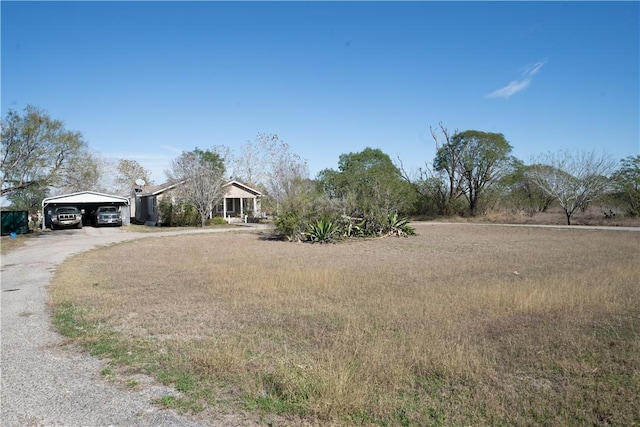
(516, 86)
(173, 149)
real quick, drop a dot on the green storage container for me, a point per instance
(15, 222)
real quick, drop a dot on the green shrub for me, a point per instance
(289, 225)
(217, 220)
(178, 214)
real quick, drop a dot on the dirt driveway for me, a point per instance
(44, 382)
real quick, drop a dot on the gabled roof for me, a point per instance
(154, 190)
(243, 186)
(85, 197)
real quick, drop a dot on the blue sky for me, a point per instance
(147, 80)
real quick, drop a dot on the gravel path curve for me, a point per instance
(46, 383)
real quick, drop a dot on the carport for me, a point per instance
(87, 200)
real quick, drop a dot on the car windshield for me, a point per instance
(66, 210)
(108, 210)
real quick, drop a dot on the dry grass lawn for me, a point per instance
(461, 325)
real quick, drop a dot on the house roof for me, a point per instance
(85, 197)
(243, 186)
(154, 190)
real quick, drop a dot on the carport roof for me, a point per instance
(85, 197)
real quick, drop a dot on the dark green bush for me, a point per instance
(178, 214)
(289, 225)
(216, 220)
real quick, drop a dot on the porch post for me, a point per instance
(241, 208)
(224, 208)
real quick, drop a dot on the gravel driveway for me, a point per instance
(47, 383)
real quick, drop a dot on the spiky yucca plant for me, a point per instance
(398, 226)
(323, 231)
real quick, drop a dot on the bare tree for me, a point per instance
(127, 173)
(573, 179)
(270, 163)
(250, 165)
(446, 163)
(81, 173)
(439, 184)
(201, 177)
(284, 169)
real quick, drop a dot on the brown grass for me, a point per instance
(592, 216)
(463, 324)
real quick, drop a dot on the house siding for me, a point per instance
(239, 199)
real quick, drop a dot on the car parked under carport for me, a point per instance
(88, 201)
(107, 215)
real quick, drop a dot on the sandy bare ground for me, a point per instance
(44, 381)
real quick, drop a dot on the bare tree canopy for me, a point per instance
(83, 173)
(446, 161)
(573, 179)
(250, 164)
(38, 151)
(201, 177)
(270, 163)
(127, 173)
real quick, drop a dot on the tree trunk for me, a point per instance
(473, 203)
(568, 216)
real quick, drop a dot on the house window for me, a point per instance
(230, 206)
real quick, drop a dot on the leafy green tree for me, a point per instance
(474, 161)
(626, 183)
(38, 151)
(201, 177)
(369, 186)
(572, 179)
(28, 199)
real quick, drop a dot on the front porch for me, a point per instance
(240, 203)
(238, 209)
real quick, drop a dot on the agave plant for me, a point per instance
(323, 231)
(399, 226)
(351, 229)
